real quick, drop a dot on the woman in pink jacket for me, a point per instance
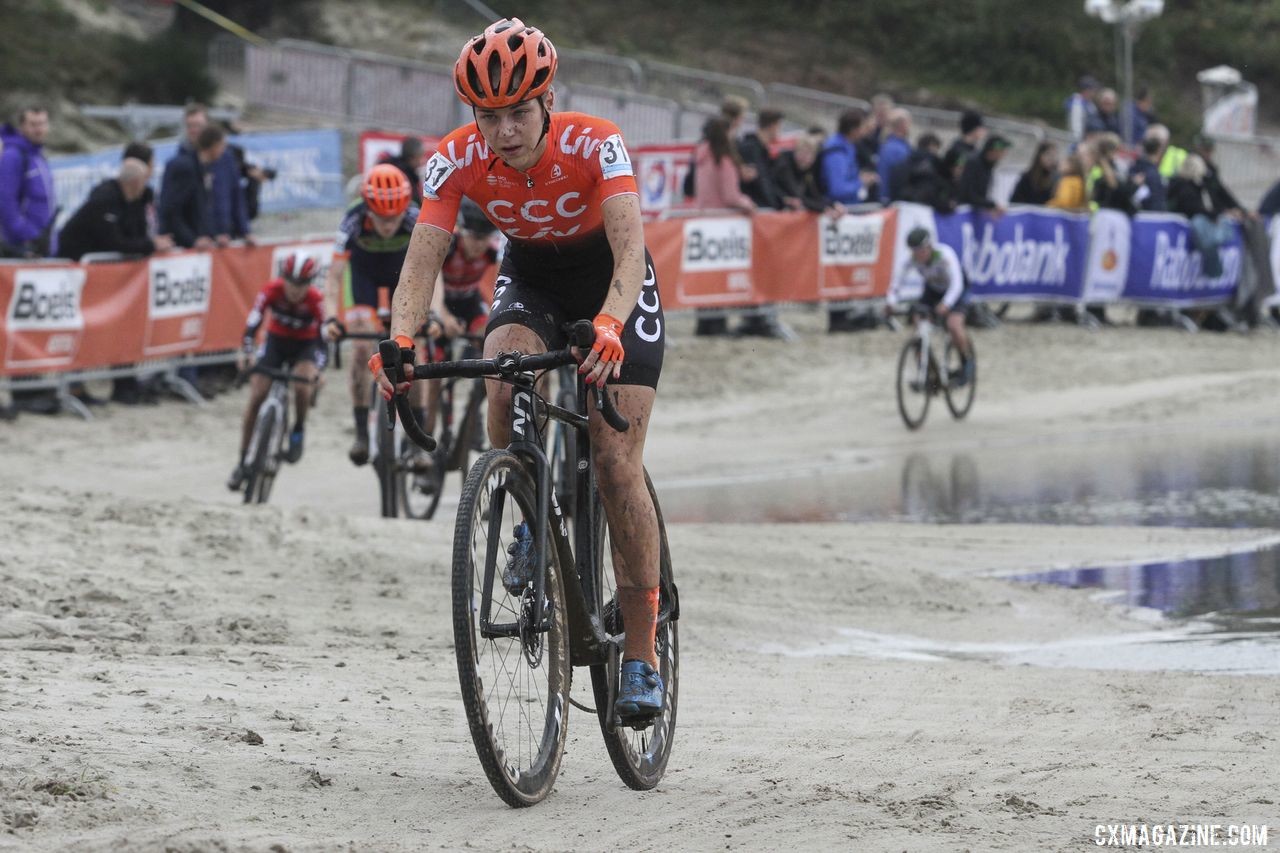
(716, 177)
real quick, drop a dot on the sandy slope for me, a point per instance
(149, 622)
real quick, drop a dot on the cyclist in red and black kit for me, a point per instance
(562, 189)
(293, 338)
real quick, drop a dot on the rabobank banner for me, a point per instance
(308, 166)
(1165, 267)
(1029, 253)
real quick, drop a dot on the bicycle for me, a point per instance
(402, 488)
(267, 443)
(528, 639)
(453, 447)
(921, 376)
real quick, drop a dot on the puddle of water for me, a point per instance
(1234, 589)
(1228, 479)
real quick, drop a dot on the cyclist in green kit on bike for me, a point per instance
(935, 272)
(562, 189)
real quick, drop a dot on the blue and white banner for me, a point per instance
(1110, 238)
(1165, 267)
(308, 164)
(1028, 253)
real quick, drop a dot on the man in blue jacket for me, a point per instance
(842, 176)
(186, 206)
(26, 185)
(894, 149)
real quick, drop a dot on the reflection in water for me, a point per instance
(1160, 480)
(1244, 584)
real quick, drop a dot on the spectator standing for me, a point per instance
(1150, 193)
(1037, 183)
(1106, 115)
(924, 180)
(843, 175)
(895, 149)
(797, 179)
(972, 133)
(227, 201)
(717, 184)
(110, 219)
(186, 205)
(882, 107)
(1080, 107)
(252, 176)
(756, 151)
(1068, 193)
(1141, 115)
(413, 155)
(975, 182)
(27, 198)
(1169, 157)
(1109, 190)
(1223, 199)
(1190, 196)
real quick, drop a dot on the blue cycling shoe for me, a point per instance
(294, 453)
(519, 571)
(641, 692)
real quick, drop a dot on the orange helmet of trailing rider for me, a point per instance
(506, 64)
(386, 190)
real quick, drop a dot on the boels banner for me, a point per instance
(71, 316)
(719, 261)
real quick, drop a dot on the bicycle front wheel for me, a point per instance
(257, 484)
(913, 385)
(514, 674)
(639, 755)
(960, 398)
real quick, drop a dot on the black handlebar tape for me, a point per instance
(410, 423)
(605, 406)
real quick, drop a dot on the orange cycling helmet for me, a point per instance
(506, 64)
(386, 190)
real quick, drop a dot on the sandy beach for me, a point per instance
(180, 672)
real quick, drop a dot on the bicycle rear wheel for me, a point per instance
(960, 399)
(639, 755)
(913, 385)
(515, 680)
(257, 483)
(419, 491)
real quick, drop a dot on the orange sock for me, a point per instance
(639, 608)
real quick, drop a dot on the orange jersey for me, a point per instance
(555, 204)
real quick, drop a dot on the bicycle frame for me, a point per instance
(278, 399)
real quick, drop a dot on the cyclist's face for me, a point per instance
(385, 226)
(296, 291)
(514, 133)
(922, 252)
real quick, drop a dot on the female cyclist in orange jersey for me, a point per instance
(562, 189)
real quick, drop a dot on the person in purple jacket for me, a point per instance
(26, 185)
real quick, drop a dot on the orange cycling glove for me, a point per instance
(608, 337)
(375, 362)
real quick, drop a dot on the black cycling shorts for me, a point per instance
(546, 314)
(277, 351)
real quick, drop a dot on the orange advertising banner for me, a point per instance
(62, 317)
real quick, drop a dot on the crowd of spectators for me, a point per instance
(208, 197)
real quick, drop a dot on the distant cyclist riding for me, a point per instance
(934, 272)
(562, 189)
(372, 241)
(296, 310)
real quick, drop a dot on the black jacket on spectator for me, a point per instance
(1119, 197)
(959, 152)
(1187, 198)
(975, 183)
(763, 190)
(1270, 205)
(106, 222)
(1222, 198)
(922, 181)
(792, 181)
(186, 208)
(1153, 181)
(1026, 191)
